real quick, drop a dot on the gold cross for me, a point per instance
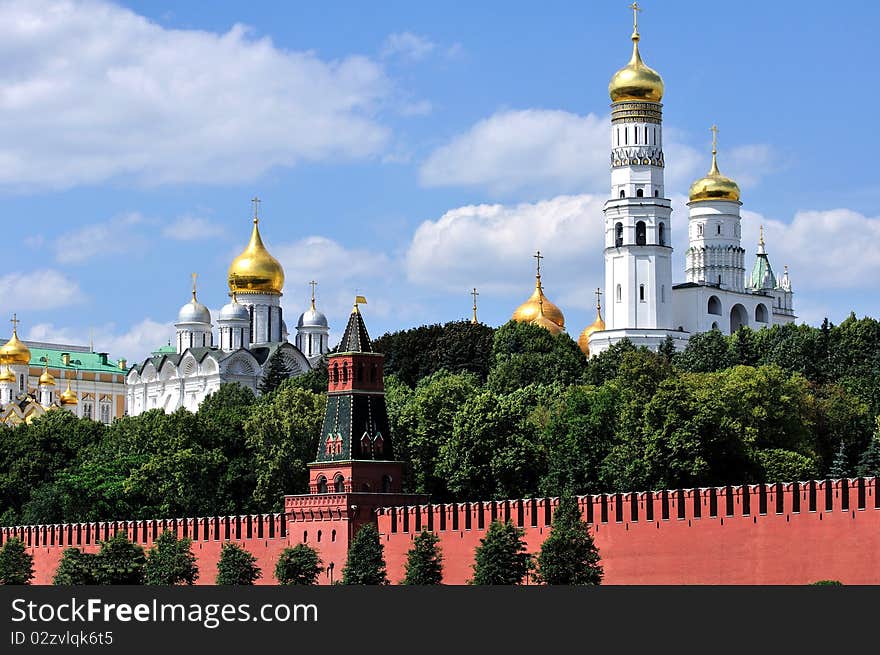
(194, 276)
(256, 201)
(539, 257)
(475, 294)
(636, 9)
(598, 298)
(14, 320)
(313, 284)
(714, 130)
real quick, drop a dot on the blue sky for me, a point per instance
(409, 151)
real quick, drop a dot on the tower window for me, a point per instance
(641, 233)
(622, 193)
(656, 193)
(640, 193)
(699, 230)
(661, 234)
(322, 485)
(641, 293)
(662, 293)
(619, 293)
(719, 228)
(339, 483)
(618, 234)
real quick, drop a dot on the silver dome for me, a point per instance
(234, 312)
(311, 318)
(194, 312)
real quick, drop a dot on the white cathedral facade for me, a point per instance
(250, 330)
(641, 302)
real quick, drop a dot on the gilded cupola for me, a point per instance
(68, 396)
(596, 326)
(538, 304)
(46, 378)
(714, 185)
(636, 81)
(15, 351)
(255, 270)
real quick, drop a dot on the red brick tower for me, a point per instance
(355, 471)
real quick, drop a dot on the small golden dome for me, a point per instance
(15, 352)
(47, 378)
(714, 186)
(636, 81)
(255, 270)
(596, 326)
(68, 397)
(529, 310)
(7, 375)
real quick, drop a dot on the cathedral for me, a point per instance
(251, 330)
(642, 303)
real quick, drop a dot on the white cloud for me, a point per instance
(134, 344)
(115, 236)
(192, 228)
(490, 246)
(407, 45)
(91, 91)
(37, 290)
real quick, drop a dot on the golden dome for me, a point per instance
(7, 375)
(47, 378)
(596, 326)
(636, 81)
(68, 397)
(542, 321)
(15, 352)
(714, 186)
(255, 270)
(529, 310)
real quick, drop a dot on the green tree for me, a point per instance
(569, 556)
(424, 561)
(366, 559)
(277, 371)
(317, 380)
(16, 564)
(604, 367)
(782, 465)
(707, 352)
(170, 561)
(119, 562)
(76, 568)
(299, 565)
(840, 465)
(869, 461)
(501, 558)
(282, 431)
(237, 566)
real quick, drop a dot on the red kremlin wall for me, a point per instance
(755, 534)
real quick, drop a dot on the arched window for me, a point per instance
(344, 373)
(339, 483)
(718, 227)
(619, 293)
(714, 325)
(618, 234)
(661, 234)
(640, 193)
(641, 233)
(641, 293)
(714, 305)
(739, 317)
(333, 535)
(319, 536)
(656, 193)
(366, 450)
(761, 313)
(322, 485)
(335, 373)
(622, 193)
(700, 230)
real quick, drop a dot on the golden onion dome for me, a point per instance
(7, 375)
(14, 351)
(714, 186)
(596, 326)
(636, 81)
(46, 378)
(68, 397)
(541, 320)
(255, 270)
(529, 310)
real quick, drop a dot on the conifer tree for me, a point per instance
(869, 462)
(299, 565)
(16, 564)
(237, 566)
(839, 466)
(76, 568)
(366, 559)
(569, 556)
(277, 372)
(424, 561)
(171, 561)
(501, 557)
